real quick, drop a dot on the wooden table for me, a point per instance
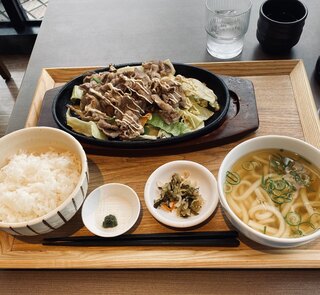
(91, 32)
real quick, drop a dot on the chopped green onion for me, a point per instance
(247, 165)
(280, 185)
(306, 227)
(227, 188)
(265, 229)
(297, 232)
(279, 200)
(232, 178)
(279, 190)
(276, 162)
(315, 220)
(301, 178)
(285, 165)
(293, 218)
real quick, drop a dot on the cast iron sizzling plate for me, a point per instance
(60, 101)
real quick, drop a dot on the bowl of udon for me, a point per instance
(43, 180)
(269, 188)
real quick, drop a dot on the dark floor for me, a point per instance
(17, 65)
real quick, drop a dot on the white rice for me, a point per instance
(31, 185)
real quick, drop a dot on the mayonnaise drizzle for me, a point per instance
(107, 99)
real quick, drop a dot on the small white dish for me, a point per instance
(114, 198)
(199, 175)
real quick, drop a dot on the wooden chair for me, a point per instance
(4, 72)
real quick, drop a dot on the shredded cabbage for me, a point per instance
(194, 89)
(201, 112)
(86, 128)
(191, 120)
(76, 93)
(175, 129)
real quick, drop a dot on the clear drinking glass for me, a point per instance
(227, 22)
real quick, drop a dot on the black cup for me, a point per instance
(280, 24)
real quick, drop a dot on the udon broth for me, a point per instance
(275, 192)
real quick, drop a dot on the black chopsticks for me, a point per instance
(208, 238)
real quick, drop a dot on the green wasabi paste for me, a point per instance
(110, 221)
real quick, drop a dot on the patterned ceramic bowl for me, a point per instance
(39, 140)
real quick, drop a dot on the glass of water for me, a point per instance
(227, 22)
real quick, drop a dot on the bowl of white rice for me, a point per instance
(43, 180)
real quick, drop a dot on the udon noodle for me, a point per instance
(275, 192)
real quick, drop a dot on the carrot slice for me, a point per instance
(165, 207)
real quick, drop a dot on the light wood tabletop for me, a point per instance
(86, 33)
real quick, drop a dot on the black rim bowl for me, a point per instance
(60, 101)
(280, 24)
(284, 11)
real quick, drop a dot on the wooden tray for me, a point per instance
(241, 119)
(286, 107)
